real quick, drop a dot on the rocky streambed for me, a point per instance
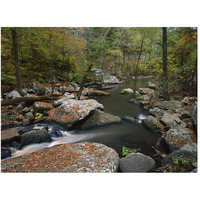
(44, 133)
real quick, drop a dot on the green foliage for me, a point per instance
(38, 116)
(139, 96)
(7, 79)
(126, 151)
(181, 164)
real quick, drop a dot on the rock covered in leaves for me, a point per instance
(177, 138)
(99, 118)
(40, 107)
(146, 91)
(136, 162)
(9, 134)
(72, 111)
(77, 157)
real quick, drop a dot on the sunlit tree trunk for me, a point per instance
(15, 48)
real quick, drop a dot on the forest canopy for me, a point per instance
(45, 52)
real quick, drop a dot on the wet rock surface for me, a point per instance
(77, 157)
(35, 136)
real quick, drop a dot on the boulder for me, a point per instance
(146, 91)
(72, 111)
(75, 157)
(25, 110)
(151, 85)
(60, 101)
(178, 138)
(126, 91)
(171, 106)
(8, 118)
(109, 79)
(29, 116)
(21, 105)
(25, 122)
(99, 118)
(40, 107)
(5, 152)
(151, 123)
(136, 162)
(193, 112)
(9, 135)
(157, 112)
(35, 136)
(13, 95)
(172, 121)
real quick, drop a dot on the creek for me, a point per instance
(132, 135)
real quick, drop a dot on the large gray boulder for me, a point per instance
(35, 136)
(157, 112)
(151, 123)
(171, 106)
(109, 79)
(172, 121)
(136, 162)
(13, 95)
(177, 138)
(193, 112)
(9, 135)
(75, 157)
(99, 118)
(72, 111)
(40, 107)
(60, 101)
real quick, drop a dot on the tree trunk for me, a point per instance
(83, 82)
(165, 80)
(29, 99)
(15, 48)
(136, 68)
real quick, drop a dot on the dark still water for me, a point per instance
(115, 135)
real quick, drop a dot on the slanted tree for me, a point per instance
(17, 68)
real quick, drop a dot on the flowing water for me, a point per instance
(127, 134)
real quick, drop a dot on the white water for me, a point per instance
(68, 137)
